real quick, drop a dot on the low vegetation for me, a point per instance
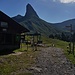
(17, 64)
(63, 45)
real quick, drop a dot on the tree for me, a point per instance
(51, 36)
(57, 36)
(63, 37)
(73, 37)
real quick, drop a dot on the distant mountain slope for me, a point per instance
(17, 18)
(32, 21)
(63, 25)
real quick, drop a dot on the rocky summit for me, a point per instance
(35, 24)
(30, 12)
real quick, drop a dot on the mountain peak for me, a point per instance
(30, 12)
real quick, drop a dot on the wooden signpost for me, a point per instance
(71, 45)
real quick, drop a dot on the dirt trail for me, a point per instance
(52, 61)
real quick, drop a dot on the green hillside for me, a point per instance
(32, 21)
(63, 24)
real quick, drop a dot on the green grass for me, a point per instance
(16, 63)
(60, 44)
(23, 48)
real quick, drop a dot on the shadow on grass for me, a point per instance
(6, 52)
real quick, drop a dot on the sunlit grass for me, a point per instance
(16, 63)
(60, 44)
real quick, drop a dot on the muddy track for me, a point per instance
(52, 61)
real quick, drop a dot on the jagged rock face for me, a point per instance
(35, 24)
(30, 12)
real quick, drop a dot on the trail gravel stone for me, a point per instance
(52, 61)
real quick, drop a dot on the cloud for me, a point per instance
(66, 1)
(61, 1)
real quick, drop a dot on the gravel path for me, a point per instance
(52, 61)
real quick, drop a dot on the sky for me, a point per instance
(53, 11)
